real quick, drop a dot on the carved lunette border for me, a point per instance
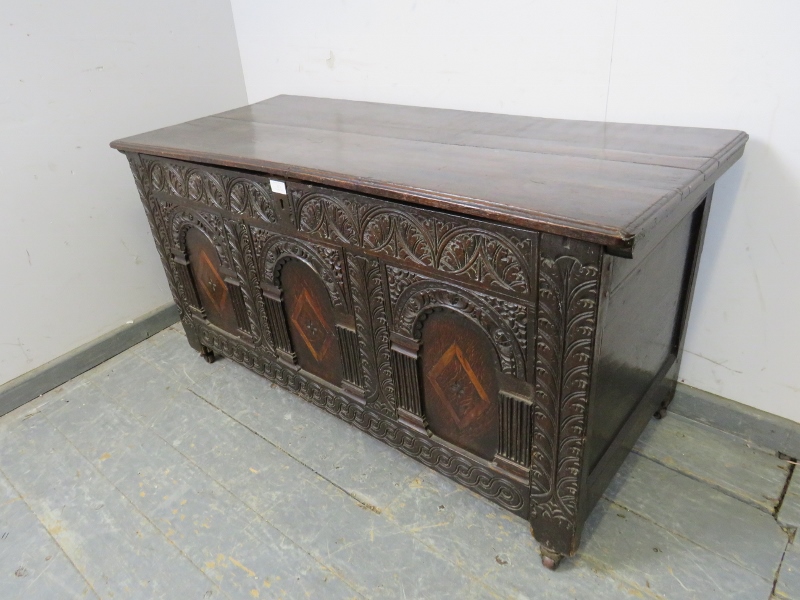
(453, 246)
(508, 494)
(569, 280)
(230, 191)
(504, 322)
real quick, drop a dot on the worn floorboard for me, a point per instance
(788, 584)
(789, 515)
(32, 565)
(693, 510)
(157, 475)
(716, 458)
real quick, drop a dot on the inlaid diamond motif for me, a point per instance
(207, 278)
(311, 326)
(456, 383)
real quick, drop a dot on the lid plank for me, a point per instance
(602, 182)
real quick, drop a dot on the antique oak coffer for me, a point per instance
(502, 298)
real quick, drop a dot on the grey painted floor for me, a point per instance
(157, 475)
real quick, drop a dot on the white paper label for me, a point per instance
(277, 186)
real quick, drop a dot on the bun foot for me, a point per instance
(208, 355)
(550, 559)
(661, 413)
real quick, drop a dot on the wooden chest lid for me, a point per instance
(608, 183)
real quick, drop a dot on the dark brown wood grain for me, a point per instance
(601, 182)
(502, 298)
(212, 291)
(311, 324)
(460, 392)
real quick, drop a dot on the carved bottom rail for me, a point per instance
(508, 493)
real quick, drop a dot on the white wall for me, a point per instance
(76, 256)
(711, 63)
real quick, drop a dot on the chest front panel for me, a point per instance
(450, 338)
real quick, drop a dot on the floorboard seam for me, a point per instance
(792, 464)
(711, 484)
(360, 502)
(55, 541)
(147, 427)
(368, 506)
(683, 537)
(604, 568)
(778, 571)
(364, 505)
(133, 506)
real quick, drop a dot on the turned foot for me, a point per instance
(208, 355)
(661, 413)
(550, 559)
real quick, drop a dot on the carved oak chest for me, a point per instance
(502, 298)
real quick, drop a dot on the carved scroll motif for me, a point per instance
(447, 244)
(567, 313)
(216, 188)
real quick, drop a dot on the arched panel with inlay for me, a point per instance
(212, 292)
(310, 318)
(459, 383)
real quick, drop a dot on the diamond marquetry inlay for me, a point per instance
(311, 326)
(456, 383)
(207, 277)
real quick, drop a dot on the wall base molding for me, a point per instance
(763, 429)
(50, 375)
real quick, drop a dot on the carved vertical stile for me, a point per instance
(515, 429)
(372, 328)
(569, 277)
(181, 263)
(243, 287)
(239, 309)
(348, 347)
(409, 398)
(273, 298)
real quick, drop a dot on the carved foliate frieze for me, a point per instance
(569, 277)
(450, 245)
(213, 187)
(413, 296)
(372, 326)
(505, 492)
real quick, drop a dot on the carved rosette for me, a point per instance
(449, 245)
(569, 276)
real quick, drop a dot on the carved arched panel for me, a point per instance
(310, 318)
(412, 296)
(212, 292)
(459, 383)
(274, 250)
